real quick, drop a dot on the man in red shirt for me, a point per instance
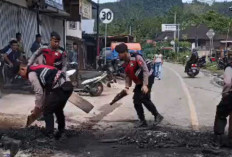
(52, 55)
(137, 71)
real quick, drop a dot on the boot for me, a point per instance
(142, 124)
(60, 135)
(158, 119)
(219, 125)
(218, 140)
(230, 126)
(230, 130)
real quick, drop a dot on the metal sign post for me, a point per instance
(105, 40)
(210, 35)
(106, 16)
(172, 28)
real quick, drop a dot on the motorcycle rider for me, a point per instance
(224, 109)
(143, 84)
(193, 60)
(51, 54)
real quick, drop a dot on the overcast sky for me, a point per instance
(103, 1)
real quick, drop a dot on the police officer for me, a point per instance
(59, 89)
(224, 109)
(52, 54)
(143, 81)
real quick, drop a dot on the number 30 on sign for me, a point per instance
(106, 16)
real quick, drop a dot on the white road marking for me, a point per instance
(193, 113)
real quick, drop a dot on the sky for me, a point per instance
(103, 1)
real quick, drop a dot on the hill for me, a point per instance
(137, 9)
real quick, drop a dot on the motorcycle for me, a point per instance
(201, 61)
(193, 71)
(87, 81)
(221, 63)
(109, 68)
(73, 65)
(12, 82)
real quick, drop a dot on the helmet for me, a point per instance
(194, 50)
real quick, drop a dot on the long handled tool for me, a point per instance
(119, 96)
(75, 99)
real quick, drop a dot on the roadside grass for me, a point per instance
(212, 67)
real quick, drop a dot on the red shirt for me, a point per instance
(133, 68)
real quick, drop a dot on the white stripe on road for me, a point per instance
(193, 113)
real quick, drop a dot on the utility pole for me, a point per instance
(227, 36)
(178, 37)
(98, 48)
(174, 33)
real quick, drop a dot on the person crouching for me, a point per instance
(58, 90)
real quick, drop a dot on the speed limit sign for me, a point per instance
(106, 16)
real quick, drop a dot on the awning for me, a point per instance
(74, 38)
(131, 46)
(55, 12)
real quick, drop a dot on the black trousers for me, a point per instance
(144, 99)
(224, 109)
(55, 102)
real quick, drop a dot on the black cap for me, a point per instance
(121, 48)
(55, 35)
(18, 34)
(13, 42)
(38, 36)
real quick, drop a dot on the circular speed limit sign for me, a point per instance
(106, 16)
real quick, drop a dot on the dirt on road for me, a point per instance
(152, 141)
(108, 131)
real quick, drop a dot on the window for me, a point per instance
(72, 25)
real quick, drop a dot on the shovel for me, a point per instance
(75, 99)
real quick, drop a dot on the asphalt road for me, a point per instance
(186, 103)
(183, 101)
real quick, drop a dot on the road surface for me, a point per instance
(186, 103)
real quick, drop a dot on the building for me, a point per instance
(197, 36)
(80, 11)
(30, 17)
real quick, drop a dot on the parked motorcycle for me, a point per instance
(201, 61)
(12, 82)
(221, 63)
(87, 81)
(109, 68)
(193, 71)
(73, 65)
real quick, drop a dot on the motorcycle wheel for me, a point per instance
(97, 89)
(192, 75)
(75, 83)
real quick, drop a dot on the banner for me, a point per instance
(86, 9)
